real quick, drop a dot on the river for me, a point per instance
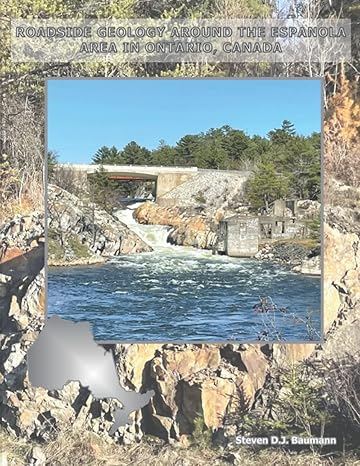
(177, 293)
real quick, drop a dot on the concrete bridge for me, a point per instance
(165, 178)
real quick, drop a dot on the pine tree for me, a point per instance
(133, 154)
(284, 134)
(164, 154)
(288, 127)
(266, 186)
(186, 147)
(52, 161)
(107, 156)
(103, 190)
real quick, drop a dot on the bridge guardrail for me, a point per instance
(154, 168)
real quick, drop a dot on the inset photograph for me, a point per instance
(185, 210)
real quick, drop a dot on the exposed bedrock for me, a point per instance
(187, 229)
(82, 233)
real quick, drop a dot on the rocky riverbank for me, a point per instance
(82, 234)
(194, 210)
(301, 256)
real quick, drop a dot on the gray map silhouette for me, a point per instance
(66, 351)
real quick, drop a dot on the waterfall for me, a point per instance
(154, 235)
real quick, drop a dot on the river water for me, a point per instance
(177, 293)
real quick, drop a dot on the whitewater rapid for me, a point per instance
(153, 235)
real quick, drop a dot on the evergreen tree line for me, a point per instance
(284, 164)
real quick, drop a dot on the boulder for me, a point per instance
(189, 361)
(209, 398)
(202, 381)
(133, 361)
(308, 209)
(256, 364)
(198, 232)
(291, 354)
(151, 213)
(310, 266)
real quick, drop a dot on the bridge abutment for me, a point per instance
(168, 181)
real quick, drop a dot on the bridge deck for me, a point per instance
(139, 170)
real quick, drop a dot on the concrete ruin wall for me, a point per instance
(243, 237)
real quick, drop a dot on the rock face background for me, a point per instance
(81, 233)
(190, 381)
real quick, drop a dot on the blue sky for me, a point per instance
(84, 115)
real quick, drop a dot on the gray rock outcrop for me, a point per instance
(213, 190)
(300, 258)
(81, 233)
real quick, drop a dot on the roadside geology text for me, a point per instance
(140, 40)
(177, 32)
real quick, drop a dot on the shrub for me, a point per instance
(202, 436)
(200, 198)
(80, 250)
(55, 250)
(342, 390)
(314, 228)
(297, 406)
